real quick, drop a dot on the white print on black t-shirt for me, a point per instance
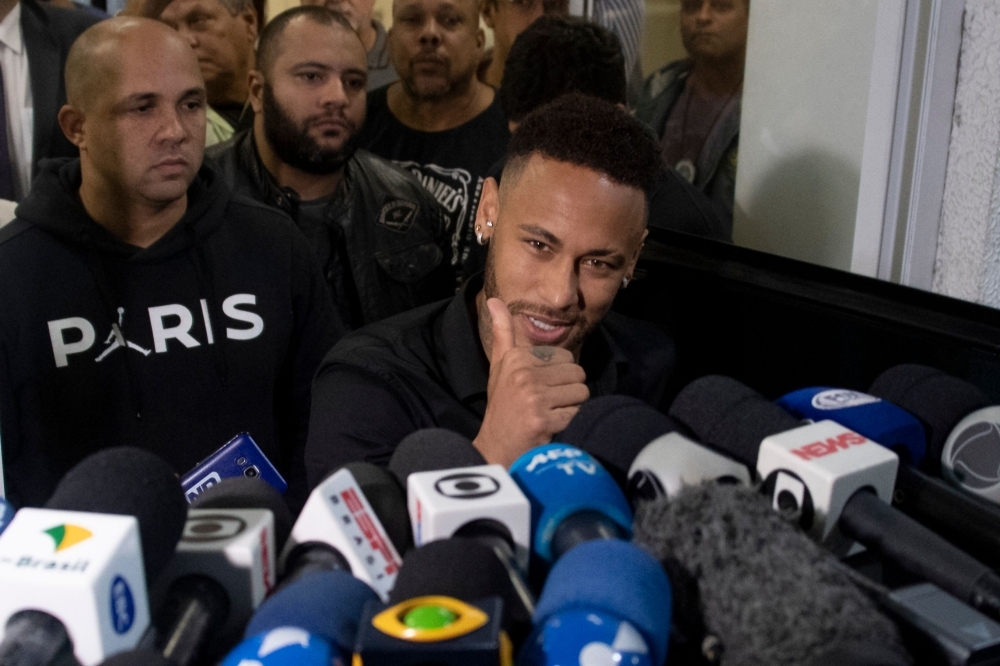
(451, 188)
(166, 322)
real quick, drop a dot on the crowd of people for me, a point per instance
(389, 230)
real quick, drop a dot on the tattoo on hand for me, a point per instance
(543, 353)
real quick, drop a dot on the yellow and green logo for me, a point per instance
(67, 536)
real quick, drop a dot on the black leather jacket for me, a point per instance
(394, 232)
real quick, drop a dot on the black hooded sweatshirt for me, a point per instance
(223, 322)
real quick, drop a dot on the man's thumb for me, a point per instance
(503, 329)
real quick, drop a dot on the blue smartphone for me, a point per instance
(239, 457)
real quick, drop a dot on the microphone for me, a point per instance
(222, 570)
(449, 608)
(6, 514)
(573, 499)
(339, 529)
(432, 449)
(311, 621)
(964, 520)
(769, 594)
(479, 502)
(837, 481)
(109, 527)
(641, 444)
(620, 616)
(33, 638)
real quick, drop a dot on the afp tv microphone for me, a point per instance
(110, 526)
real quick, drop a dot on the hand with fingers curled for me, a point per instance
(532, 394)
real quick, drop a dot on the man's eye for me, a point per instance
(310, 76)
(537, 245)
(144, 109)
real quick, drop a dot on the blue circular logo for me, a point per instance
(122, 606)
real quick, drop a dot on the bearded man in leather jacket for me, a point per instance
(380, 237)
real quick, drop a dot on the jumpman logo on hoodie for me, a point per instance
(116, 340)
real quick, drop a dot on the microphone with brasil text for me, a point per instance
(449, 608)
(79, 566)
(838, 482)
(594, 612)
(354, 521)
(223, 568)
(311, 622)
(451, 491)
(769, 594)
(641, 448)
(967, 521)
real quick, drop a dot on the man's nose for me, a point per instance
(171, 127)
(334, 93)
(431, 33)
(560, 285)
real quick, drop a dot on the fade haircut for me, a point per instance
(269, 44)
(588, 132)
(558, 55)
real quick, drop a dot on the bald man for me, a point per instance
(439, 121)
(143, 304)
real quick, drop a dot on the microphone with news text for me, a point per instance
(968, 521)
(836, 480)
(111, 524)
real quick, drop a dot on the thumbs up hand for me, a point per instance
(533, 392)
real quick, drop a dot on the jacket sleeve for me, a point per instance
(317, 328)
(356, 416)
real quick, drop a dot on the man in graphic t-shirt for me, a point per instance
(439, 121)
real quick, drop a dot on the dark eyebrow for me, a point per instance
(549, 237)
(196, 92)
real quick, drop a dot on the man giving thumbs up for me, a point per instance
(508, 361)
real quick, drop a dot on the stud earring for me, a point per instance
(489, 223)
(624, 282)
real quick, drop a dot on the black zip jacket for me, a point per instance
(215, 329)
(381, 221)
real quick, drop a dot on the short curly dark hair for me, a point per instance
(588, 132)
(557, 55)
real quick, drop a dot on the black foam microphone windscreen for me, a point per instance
(388, 500)
(239, 492)
(724, 414)
(432, 449)
(461, 568)
(129, 482)
(614, 429)
(771, 595)
(937, 399)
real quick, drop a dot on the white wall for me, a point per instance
(968, 255)
(802, 138)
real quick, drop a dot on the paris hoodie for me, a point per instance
(214, 329)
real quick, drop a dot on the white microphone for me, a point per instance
(84, 569)
(460, 502)
(817, 468)
(339, 518)
(672, 462)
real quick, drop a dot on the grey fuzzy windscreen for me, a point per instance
(771, 595)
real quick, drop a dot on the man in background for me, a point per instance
(34, 41)
(380, 237)
(360, 14)
(508, 19)
(439, 121)
(222, 34)
(693, 105)
(555, 56)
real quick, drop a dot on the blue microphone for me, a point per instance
(6, 514)
(573, 499)
(620, 615)
(880, 421)
(311, 621)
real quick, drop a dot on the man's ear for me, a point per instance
(489, 209)
(256, 91)
(635, 255)
(71, 123)
(480, 39)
